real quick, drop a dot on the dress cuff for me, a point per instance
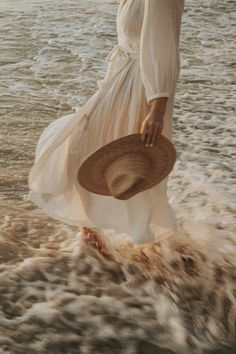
(157, 95)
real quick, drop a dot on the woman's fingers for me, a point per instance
(143, 131)
(159, 131)
(155, 133)
(160, 128)
(148, 137)
(150, 131)
(147, 133)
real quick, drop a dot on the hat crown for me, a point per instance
(127, 174)
(126, 166)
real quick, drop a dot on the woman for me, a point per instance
(136, 95)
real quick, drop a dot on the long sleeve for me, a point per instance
(159, 47)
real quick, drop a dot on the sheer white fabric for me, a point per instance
(143, 64)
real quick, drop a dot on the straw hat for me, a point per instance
(126, 166)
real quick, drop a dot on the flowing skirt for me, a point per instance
(117, 108)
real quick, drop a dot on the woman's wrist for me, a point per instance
(158, 105)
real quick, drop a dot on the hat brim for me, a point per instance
(162, 155)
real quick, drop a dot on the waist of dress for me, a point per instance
(119, 50)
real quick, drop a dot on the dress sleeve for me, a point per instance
(159, 47)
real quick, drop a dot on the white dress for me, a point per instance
(143, 65)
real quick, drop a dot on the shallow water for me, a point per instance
(52, 54)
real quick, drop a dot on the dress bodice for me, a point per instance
(129, 23)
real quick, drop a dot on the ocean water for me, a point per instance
(52, 54)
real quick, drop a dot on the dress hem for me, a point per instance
(167, 232)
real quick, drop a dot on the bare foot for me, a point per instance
(91, 236)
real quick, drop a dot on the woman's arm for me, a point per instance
(159, 60)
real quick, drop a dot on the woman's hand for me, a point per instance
(152, 125)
